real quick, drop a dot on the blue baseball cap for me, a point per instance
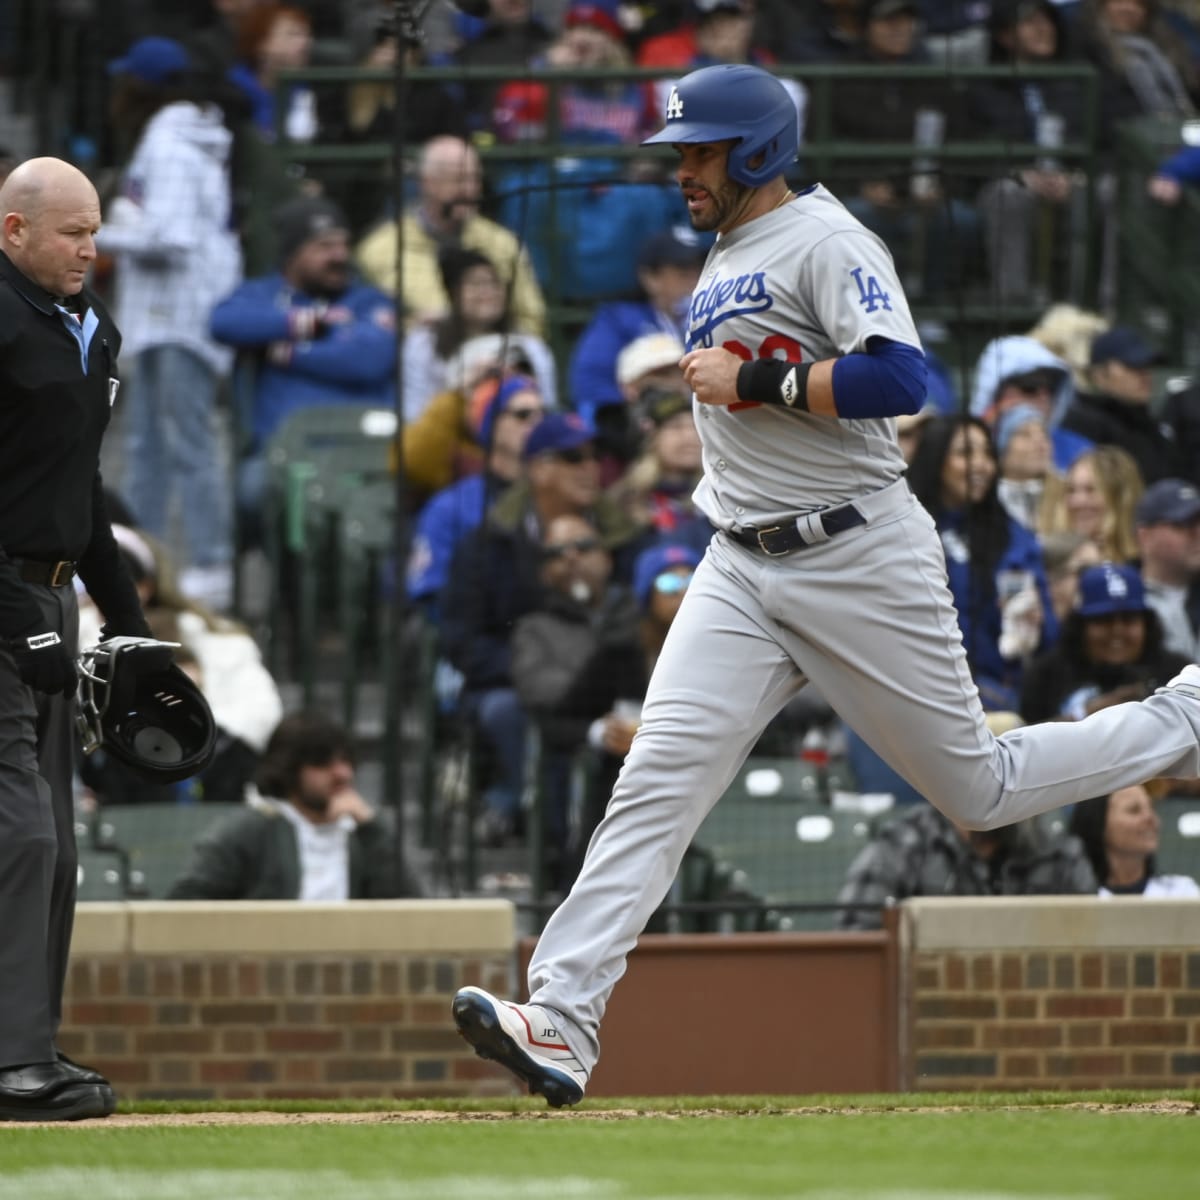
(1124, 345)
(557, 431)
(1170, 502)
(1110, 588)
(654, 560)
(152, 60)
(678, 246)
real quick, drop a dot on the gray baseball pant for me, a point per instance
(867, 616)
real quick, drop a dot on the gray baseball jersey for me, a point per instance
(803, 283)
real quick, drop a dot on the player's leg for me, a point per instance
(871, 622)
(720, 678)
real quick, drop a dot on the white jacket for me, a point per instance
(241, 692)
(1167, 887)
(171, 233)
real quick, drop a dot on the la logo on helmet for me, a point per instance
(674, 106)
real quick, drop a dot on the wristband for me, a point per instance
(769, 381)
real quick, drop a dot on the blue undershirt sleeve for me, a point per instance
(886, 381)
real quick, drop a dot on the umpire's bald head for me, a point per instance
(50, 213)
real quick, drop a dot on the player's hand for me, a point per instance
(712, 375)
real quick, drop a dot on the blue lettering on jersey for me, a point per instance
(724, 299)
(871, 296)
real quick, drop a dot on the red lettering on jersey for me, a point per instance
(769, 348)
(744, 353)
(778, 341)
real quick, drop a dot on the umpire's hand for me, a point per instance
(43, 662)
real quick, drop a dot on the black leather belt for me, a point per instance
(51, 574)
(776, 540)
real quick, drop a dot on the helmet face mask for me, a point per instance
(741, 103)
(136, 703)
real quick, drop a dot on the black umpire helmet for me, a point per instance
(136, 703)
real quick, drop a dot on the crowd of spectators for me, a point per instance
(550, 483)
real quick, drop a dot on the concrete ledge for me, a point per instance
(290, 927)
(1030, 923)
(100, 928)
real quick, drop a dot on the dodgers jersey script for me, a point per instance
(803, 283)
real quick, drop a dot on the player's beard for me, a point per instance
(726, 203)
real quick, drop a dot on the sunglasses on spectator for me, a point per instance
(579, 546)
(671, 583)
(575, 455)
(1031, 385)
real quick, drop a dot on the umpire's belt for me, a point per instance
(51, 574)
(798, 533)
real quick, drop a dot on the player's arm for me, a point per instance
(886, 380)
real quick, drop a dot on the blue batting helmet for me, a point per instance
(735, 101)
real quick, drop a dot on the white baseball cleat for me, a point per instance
(523, 1038)
(1187, 682)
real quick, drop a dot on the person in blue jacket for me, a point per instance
(993, 563)
(668, 269)
(1017, 369)
(316, 335)
(448, 516)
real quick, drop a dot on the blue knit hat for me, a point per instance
(509, 388)
(1013, 419)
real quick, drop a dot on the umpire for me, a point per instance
(58, 381)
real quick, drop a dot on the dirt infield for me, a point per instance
(1165, 1107)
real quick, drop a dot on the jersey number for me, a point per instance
(776, 346)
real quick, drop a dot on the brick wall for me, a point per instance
(1062, 993)
(239, 1002)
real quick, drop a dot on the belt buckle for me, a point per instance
(758, 537)
(61, 573)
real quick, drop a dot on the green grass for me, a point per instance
(753, 1152)
(881, 1101)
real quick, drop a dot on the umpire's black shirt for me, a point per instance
(57, 385)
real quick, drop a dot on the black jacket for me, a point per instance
(254, 855)
(494, 580)
(1057, 677)
(53, 413)
(918, 852)
(1111, 422)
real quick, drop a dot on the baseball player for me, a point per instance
(801, 354)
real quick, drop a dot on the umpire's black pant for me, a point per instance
(38, 861)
